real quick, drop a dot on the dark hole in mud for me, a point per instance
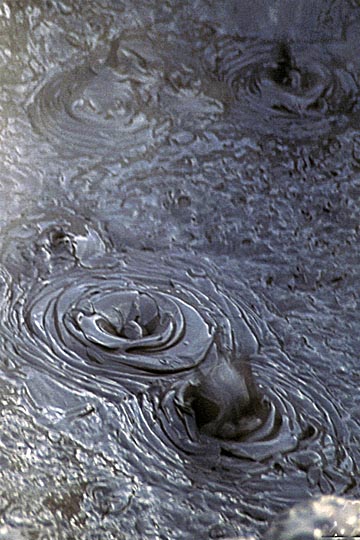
(282, 73)
(205, 410)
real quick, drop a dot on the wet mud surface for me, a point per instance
(179, 265)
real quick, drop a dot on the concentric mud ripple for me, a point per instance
(284, 88)
(126, 323)
(102, 109)
(115, 327)
(163, 332)
(294, 440)
(160, 329)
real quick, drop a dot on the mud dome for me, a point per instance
(179, 256)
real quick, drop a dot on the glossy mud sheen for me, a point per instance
(179, 265)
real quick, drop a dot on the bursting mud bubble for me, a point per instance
(105, 107)
(286, 89)
(179, 266)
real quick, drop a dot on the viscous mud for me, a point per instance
(179, 265)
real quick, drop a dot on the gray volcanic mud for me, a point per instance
(179, 265)
(119, 104)
(295, 90)
(105, 106)
(172, 355)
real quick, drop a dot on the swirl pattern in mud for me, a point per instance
(163, 333)
(101, 109)
(117, 317)
(117, 326)
(295, 429)
(284, 88)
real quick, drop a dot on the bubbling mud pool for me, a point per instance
(161, 340)
(119, 105)
(294, 90)
(178, 265)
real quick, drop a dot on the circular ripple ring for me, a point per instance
(115, 322)
(290, 89)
